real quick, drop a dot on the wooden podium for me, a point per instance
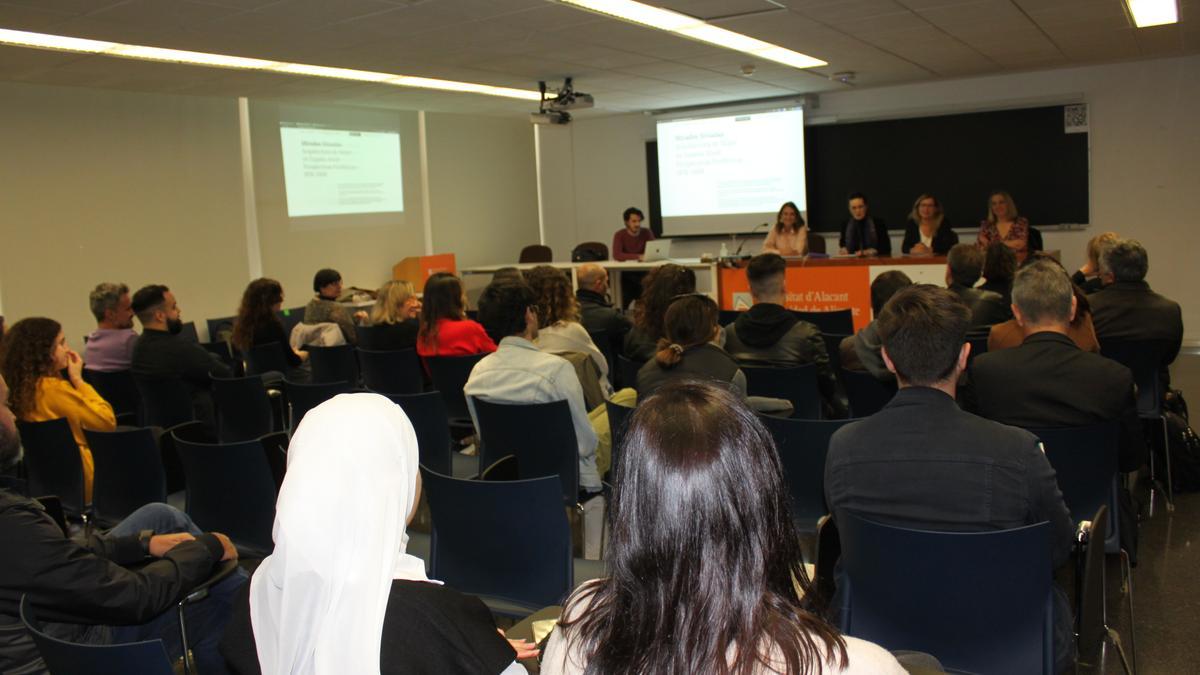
(418, 268)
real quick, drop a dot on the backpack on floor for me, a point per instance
(1185, 453)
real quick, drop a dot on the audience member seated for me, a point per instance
(339, 593)
(1088, 276)
(861, 351)
(999, 267)
(688, 350)
(559, 329)
(661, 285)
(768, 334)
(1048, 381)
(445, 329)
(519, 372)
(109, 348)
(596, 311)
(789, 236)
(863, 235)
(629, 242)
(258, 323)
(508, 274)
(161, 352)
(736, 586)
(32, 356)
(1126, 308)
(1004, 224)
(325, 308)
(1081, 331)
(927, 232)
(921, 462)
(964, 266)
(395, 314)
(117, 587)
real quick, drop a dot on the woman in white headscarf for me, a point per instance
(339, 594)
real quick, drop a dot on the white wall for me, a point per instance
(1145, 138)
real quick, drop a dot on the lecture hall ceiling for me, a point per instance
(514, 43)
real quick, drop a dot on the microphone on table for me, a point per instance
(751, 233)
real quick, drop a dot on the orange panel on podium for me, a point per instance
(418, 268)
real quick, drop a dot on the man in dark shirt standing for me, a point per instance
(921, 462)
(161, 352)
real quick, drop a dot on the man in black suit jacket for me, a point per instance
(1048, 381)
(964, 266)
(1126, 308)
(922, 462)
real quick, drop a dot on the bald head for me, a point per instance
(592, 277)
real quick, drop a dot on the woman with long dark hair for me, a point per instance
(789, 237)
(32, 355)
(704, 564)
(258, 323)
(445, 329)
(661, 285)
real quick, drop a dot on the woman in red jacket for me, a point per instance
(445, 328)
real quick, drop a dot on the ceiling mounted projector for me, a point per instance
(553, 110)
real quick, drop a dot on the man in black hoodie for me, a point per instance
(769, 334)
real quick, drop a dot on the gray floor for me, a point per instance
(1166, 583)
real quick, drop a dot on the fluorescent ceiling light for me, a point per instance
(696, 29)
(1147, 13)
(19, 38)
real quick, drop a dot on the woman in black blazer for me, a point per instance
(927, 231)
(862, 234)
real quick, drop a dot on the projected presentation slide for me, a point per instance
(720, 174)
(341, 171)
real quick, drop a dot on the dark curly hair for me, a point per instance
(555, 297)
(25, 358)
(257, 309)
(660, 286)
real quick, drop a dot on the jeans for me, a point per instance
(206, 619)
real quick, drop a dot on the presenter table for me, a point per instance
(706, 273)
(827, 284)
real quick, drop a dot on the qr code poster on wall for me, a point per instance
(1075, 119)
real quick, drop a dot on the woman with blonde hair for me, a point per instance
(1088, 276)
(395, 316)
(926, 232)
(32, 355)
(1003, 223)
(559, 329)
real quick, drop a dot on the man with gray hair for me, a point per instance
(110, 346)
(1127, 310)
(1048, 381)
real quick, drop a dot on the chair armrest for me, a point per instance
(223, 570)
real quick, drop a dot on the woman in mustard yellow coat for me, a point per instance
(33, 355)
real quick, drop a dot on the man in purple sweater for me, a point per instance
(110, 347)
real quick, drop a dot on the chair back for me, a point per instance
(833, 347)
(166, 401)
(52, 462)
(627, 370)
(603, 341)
(803, 446)
(427, 412)
(266, 358)
(618, 423)
(1085, 465)
(391, 372)
(507, 540)
(797, 384)
(449, 375)
(536, 253)
(231, 489)
(333, 364)
(129, 472)
(119, 389)
(590, 251)
(221, 330)
(243, 408)
(224, 352)
(374, 338)
(189, 332)
(838, 321)
(867, 395)
(816, 243)
(979, 343)
(145, 658)
(1145, 359)
(1091, 628)
(302, 397)
(290, 318)
(977, 601)
(541, 435)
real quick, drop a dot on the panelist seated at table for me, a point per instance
(629, 242)
(863, 235)
(1003, 223)
(927, 232)
(789, 236)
